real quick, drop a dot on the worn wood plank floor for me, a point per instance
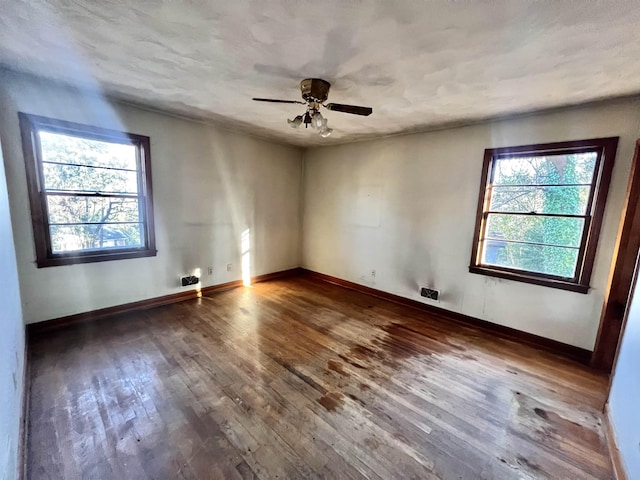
(302, 379)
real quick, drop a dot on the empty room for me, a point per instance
(341, 240)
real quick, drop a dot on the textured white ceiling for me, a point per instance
(419, 64)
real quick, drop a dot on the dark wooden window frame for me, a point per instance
(622, 277)
(606, 150)
(45, 257)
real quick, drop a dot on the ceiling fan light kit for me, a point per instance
(318, 120)
(315, 92)
(295, 123)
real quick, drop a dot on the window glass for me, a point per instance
(575, 168)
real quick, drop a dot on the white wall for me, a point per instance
(405, 207)
(624, 405)
(11, 342)
(209, 186)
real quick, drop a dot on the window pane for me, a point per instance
(558, 200)
(74, 209)
(89, 179)
(545, 170)
(557, 261)
(566, 232)
(73, 238)
(61, 148)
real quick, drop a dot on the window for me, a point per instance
(539, 212)
(89, 190)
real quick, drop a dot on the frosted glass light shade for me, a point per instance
(325, 132)
(317, 120)
(295, 123)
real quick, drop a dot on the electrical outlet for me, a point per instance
(430, 293)
(373, 273)
(210, 271)
(228, 267)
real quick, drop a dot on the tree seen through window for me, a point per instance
(536, 214)
(92, 193)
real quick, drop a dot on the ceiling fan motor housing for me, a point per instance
(315, 89)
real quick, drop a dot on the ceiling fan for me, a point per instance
(315, 92)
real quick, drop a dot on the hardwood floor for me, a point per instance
(298, 378)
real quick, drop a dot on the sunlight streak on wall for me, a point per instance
(245, 249)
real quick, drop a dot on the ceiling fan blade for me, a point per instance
(277, 101)
(353, 109)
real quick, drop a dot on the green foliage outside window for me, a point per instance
(109, 217)
(552, 184)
